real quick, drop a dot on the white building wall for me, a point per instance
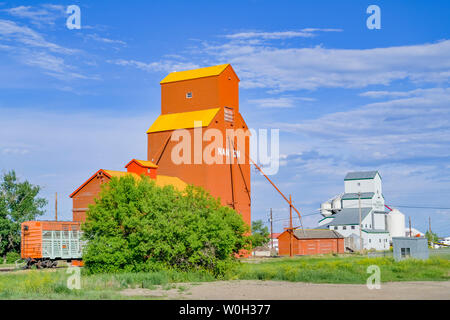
(275, 243)
(355, 186)
(378, 201)
(363, 185)
(379, 221)
(365, 203)
(367, 221)
(347, 230)
(377, 241)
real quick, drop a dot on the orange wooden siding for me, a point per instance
(217, 179)
(207, 92)
(136, 167)
(309, 246)
(31, 239)
(85, 196)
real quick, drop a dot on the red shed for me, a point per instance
(311, 241)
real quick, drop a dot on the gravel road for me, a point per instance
(274, 290)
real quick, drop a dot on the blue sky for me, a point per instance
(344, 97)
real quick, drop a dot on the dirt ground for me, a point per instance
(279, 290)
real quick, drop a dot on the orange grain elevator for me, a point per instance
(201, 137)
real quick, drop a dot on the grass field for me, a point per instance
(51, 284)
(345, 269)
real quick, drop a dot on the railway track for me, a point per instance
(13, 269)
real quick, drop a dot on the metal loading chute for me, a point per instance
(289, 201)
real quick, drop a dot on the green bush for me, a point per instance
(137, 226)
(12, 257)
(260, 234)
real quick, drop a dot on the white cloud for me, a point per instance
(279, 102)
(411, 129)
(304, 33)
(15, 151)
(46, 14)
(396, 94)
(98, 38)
(165, 65)
(282, 69)
(11, 32)
(31, 48)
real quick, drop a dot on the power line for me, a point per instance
(420, 207)
(303, 215)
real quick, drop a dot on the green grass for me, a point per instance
(51, 284)
(348, 269)
(441, 252)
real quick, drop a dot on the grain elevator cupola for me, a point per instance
(200, 89)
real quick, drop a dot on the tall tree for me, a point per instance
(260, 234)
(19, 202)
(431, 237)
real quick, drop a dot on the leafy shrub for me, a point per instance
(260, 234)
(138, 226)
(12, 257)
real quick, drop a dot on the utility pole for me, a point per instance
(410, 232)
(291, 229)
(429, 224)
(56, 206)
(430, 238)
(360, 225)
(271, 229)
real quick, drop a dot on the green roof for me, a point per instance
(353, 196)
(375, 231)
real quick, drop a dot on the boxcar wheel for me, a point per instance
(28, 264)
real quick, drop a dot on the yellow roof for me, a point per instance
(119, 174)
(194, 73)
(144, 163)
(183, 120)
(163, 181)
(160, 180)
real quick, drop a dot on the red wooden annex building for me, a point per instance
(310, 242)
